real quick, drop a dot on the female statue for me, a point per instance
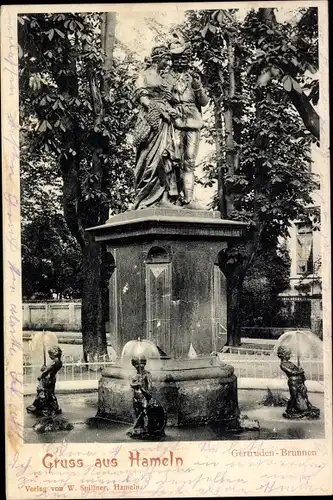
(298, 405)
(149, 414)
(154, 135)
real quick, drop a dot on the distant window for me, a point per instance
(304, 244)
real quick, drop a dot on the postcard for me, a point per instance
(167, 271)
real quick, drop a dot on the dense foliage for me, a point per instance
(266, 278)
(263, 135)
(76, 111)
(51, 259)
(60, 119)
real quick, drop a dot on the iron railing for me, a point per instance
(73, 369)
(248, 363)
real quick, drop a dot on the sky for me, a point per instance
(133, 27)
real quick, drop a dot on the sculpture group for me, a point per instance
(170, 97)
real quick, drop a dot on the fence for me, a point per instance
(265, 332)
(267, 365)
(292, 312)
(260, 364)
(73, 368)
(295, 311)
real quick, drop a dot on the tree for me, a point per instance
(289, 59)
(78, 96)
(268, 176)
(40, 185)
(285, 52)
(51, 258)
(267, 277)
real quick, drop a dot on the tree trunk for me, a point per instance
(236, 278)
(238, 274)
(108, 38)
(237, 124)
(93, 325)
(94, 292)
(306, 111)
(253, 240)
(71, 191)
(80, 214)
(230, 158)
(219, 158)
(229, 131)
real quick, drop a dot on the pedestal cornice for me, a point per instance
(159, 222)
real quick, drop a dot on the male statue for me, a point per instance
(188, 98)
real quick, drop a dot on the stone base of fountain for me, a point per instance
(168, 286)
(193, 392)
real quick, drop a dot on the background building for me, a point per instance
(304, 298)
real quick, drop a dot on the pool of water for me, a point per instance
(78, 408)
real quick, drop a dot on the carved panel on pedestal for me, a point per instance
(219, 316)
(158, 298)
(113, 304)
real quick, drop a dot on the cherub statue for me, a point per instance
(46, 403)
(149, 414)
(298, 405)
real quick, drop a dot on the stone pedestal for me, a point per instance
(167, 286)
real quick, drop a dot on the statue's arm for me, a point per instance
(291, 369)
(46, 371)
(147, 390)
(201, 97)
(141, 92)
(52, 368)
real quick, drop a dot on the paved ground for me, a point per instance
(80, 407)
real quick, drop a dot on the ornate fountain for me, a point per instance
(168, 284)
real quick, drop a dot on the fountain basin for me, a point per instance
(196, 391)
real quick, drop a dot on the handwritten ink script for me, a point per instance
(9, 59)
(11, 211)
(68, 472)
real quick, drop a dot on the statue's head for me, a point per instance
(55, 352)
(139, 363)
(180, 51)
(182, 61)
(160, 56)
(284, 352)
